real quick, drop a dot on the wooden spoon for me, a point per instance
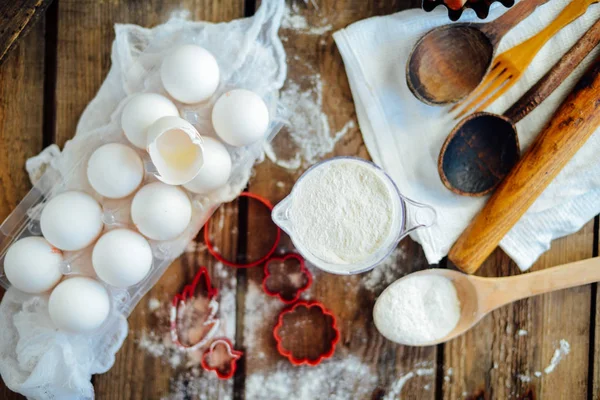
(479, 296)
(483, 147)
(574, 122)
(449, 61)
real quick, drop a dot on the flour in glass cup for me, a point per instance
(342, 212)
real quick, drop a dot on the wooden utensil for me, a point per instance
(449, 61)
(509, 66)
(482, 149)
(479, 296)
(570, 127)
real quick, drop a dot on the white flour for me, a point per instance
(417, 310)
(388, 271)
(396, 388)
(292, 19)
(342, 212)
(559, 353)
(336, 379)
(307, 137)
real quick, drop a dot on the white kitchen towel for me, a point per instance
(404, 136)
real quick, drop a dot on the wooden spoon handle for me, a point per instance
(497, 292)
(555, 76)
(496, 29)
(570, 127)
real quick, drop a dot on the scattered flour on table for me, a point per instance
(259, 315)
(190, 381)
(292, 19)
(563, 349)
(396, 387)
(335, 379)
(524, 378)
(196, 384)
(522, 332)
(340, 378)
(388, 271)
(448, 375)
(154, 304)
(195, 247)
(307, 137)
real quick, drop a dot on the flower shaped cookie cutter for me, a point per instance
(286, 286)
(287, 329)
(221, 358)
(208, 307)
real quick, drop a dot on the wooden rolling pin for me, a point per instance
(570, 127)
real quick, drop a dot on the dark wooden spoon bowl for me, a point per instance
(450, 61)
(482, 149)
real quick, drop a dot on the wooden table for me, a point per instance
(48, 79)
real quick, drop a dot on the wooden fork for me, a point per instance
(508, 67)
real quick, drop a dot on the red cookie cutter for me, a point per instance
(179, 303)
(280, 294)
(327, 353)
(224, 369)
(261, 260)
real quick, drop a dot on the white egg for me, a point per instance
(240, 117)
(32, 265)
(79, 305)
(122, 258)
(216, 169)
(190, 74)
(71, 221)
(115, 170)
(160, 211)
(175, 148)
(140, 112)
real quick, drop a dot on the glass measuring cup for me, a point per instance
(407, 216)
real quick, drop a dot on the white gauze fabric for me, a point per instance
(404, 136)
(41, 362)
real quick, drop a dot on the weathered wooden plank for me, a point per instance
(369, 366)
(21, 120)
(506, 355)
(18, 17)
(84, 45)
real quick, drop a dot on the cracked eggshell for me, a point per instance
(175, 148)
(240, 117)
(115, 170)
(33, 265)
(141, 111)
(71, 221)
(160, 211)
(79, 305)
(216, 169)
(190, 74)
(122, 258)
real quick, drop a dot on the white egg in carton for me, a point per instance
(97, 238)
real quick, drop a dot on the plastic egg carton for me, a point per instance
(137, 58)
(69, 173)
(24, 221)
